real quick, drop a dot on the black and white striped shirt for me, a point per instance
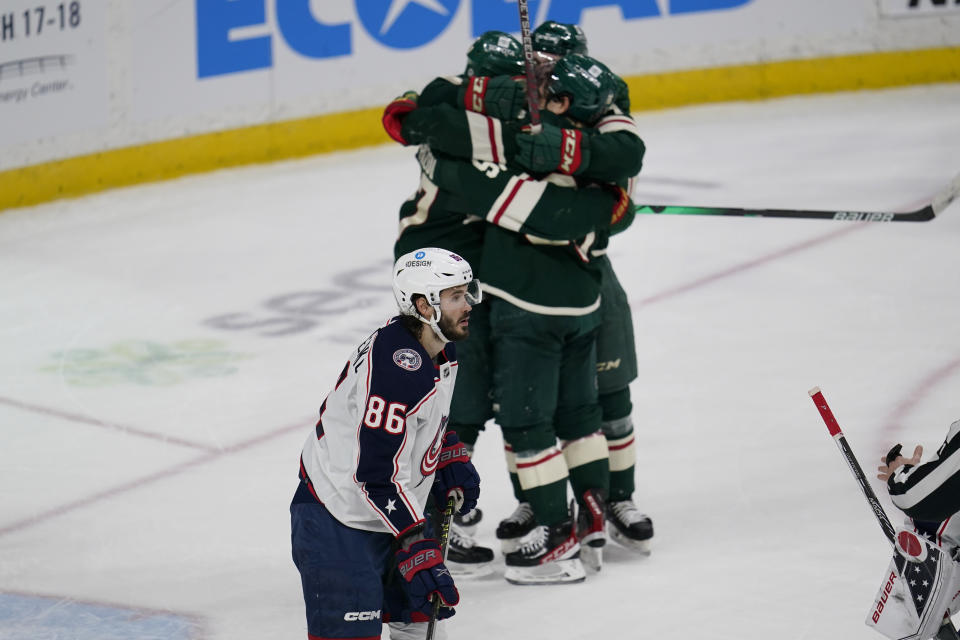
(930, 492)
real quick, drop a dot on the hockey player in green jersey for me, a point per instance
(541, 227)
(543, 321)
(616, 348)
(610, 152)
(614, 157)
(493, 141)
(553, 40)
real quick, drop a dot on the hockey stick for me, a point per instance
(940, 202)
(946, 631)
(817, 396)
(444, 539)
(533, 93)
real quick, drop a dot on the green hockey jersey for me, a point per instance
(540, 234)
(536, 246)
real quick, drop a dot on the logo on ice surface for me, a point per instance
(407, 359)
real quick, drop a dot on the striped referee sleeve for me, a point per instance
(930, 491)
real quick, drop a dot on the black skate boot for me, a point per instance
(546, 555)
(465, 558)
(590, 529)
(515, 526)
(628, 526)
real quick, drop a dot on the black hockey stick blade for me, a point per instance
(940, 202)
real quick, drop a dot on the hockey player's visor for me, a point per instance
(473, 294)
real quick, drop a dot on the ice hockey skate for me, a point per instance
(515, 526)
(628, 526)
(468, 523)
(590, 529)
(546, 555)
(465, 558)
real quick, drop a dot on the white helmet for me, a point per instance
(427, 272)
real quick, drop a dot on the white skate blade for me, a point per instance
(472, 570)
(640, 546)
(556, 572)
(592, 557)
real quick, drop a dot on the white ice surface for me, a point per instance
(149, 453)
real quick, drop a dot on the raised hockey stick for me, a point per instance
(533, 93)
(817, 396)
(940, 202)
(444, 539)
(946, 631)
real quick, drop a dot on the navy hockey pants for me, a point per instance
(345, 574)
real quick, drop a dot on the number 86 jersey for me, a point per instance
(370, 460)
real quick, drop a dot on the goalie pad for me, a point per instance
(920, 584)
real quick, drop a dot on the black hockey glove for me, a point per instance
(501, 97)
(894, 453)
(424, 574)
(553, 150)
(456, 476)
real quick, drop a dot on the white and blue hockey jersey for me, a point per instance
(371, 458)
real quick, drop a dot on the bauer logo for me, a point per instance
(884, 595)
(863, 216)
(236, 36)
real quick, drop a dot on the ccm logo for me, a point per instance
(360, 616)
(887, 588)
(476, 93)
(569, 151)
(609, 365)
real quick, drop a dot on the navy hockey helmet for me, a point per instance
(559, 39)
(588, 83)
(495, 53)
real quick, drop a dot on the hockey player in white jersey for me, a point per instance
(379, 449)
(921, 587)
